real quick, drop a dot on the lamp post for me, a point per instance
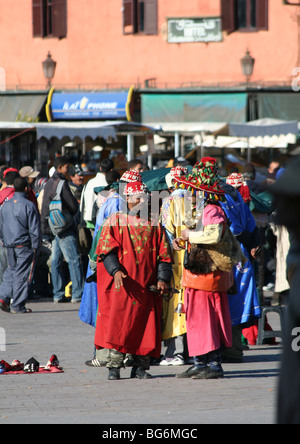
(247, 63)
(49, 66)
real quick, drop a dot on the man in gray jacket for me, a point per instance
(20, 234)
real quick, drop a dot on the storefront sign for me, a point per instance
(187, 30)
(84, 106)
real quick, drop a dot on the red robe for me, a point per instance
(129, 318)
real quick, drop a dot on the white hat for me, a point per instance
(28, 171)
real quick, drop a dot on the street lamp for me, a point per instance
(49, 66)
(247, 63)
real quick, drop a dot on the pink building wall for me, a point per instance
(96, 51)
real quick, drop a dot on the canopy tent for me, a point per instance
(263, 127)
(262, 133)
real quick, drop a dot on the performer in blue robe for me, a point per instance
(244, 305)
(89, 302)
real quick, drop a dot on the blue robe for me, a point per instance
(89, 302)
(245, 305)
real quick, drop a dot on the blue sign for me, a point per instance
(84, 106)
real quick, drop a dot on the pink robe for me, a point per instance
(208, 318)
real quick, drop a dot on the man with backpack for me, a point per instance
(59, 225)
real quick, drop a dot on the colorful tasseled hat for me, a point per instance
(134, 188)
(204, 177)
(131, 176)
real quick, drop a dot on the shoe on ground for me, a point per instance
(214, 372)
(5, 366)
(114, 374)
(62, 300)
(17, 365)
(174, 360)
(53, 362)
(75, 301)
(95, 363)
(191, 371)
(4, 306)
(140, 373)
(209, 373)
(269, 287)
(23, 310)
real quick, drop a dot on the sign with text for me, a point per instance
(187, 30)
(82, 106)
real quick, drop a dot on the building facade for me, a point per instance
(183, 58)
(167, 43)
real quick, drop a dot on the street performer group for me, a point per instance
(148, 267)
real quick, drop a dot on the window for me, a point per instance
(244, 15)
(140, 17)
(49, 18)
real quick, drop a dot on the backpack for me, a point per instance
(59, 219)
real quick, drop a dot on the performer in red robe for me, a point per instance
(132, 255)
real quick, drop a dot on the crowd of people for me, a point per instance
(170, 287)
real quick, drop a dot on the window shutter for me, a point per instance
(228, 15)
(37, 18)
(59, 18)
(128, 16)
(262, 14)
(150, 17)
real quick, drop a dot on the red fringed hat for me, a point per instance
(131, 176)
(177, 171)
(236, 180)
(134, 188)
(204, 177)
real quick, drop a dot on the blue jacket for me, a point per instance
(20, 223)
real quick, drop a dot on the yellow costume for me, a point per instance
(172, 217)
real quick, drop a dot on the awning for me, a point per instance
(263, 127)
(21, 107)
(198, 107)
(89, 105)
(187, 127)
(262, 133)
(89, 129)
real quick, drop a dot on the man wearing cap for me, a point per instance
(20, 233)
(64, 245)
(7, 191)
(89, 194)
(77, 177)
(132, 255)
(30, 174)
